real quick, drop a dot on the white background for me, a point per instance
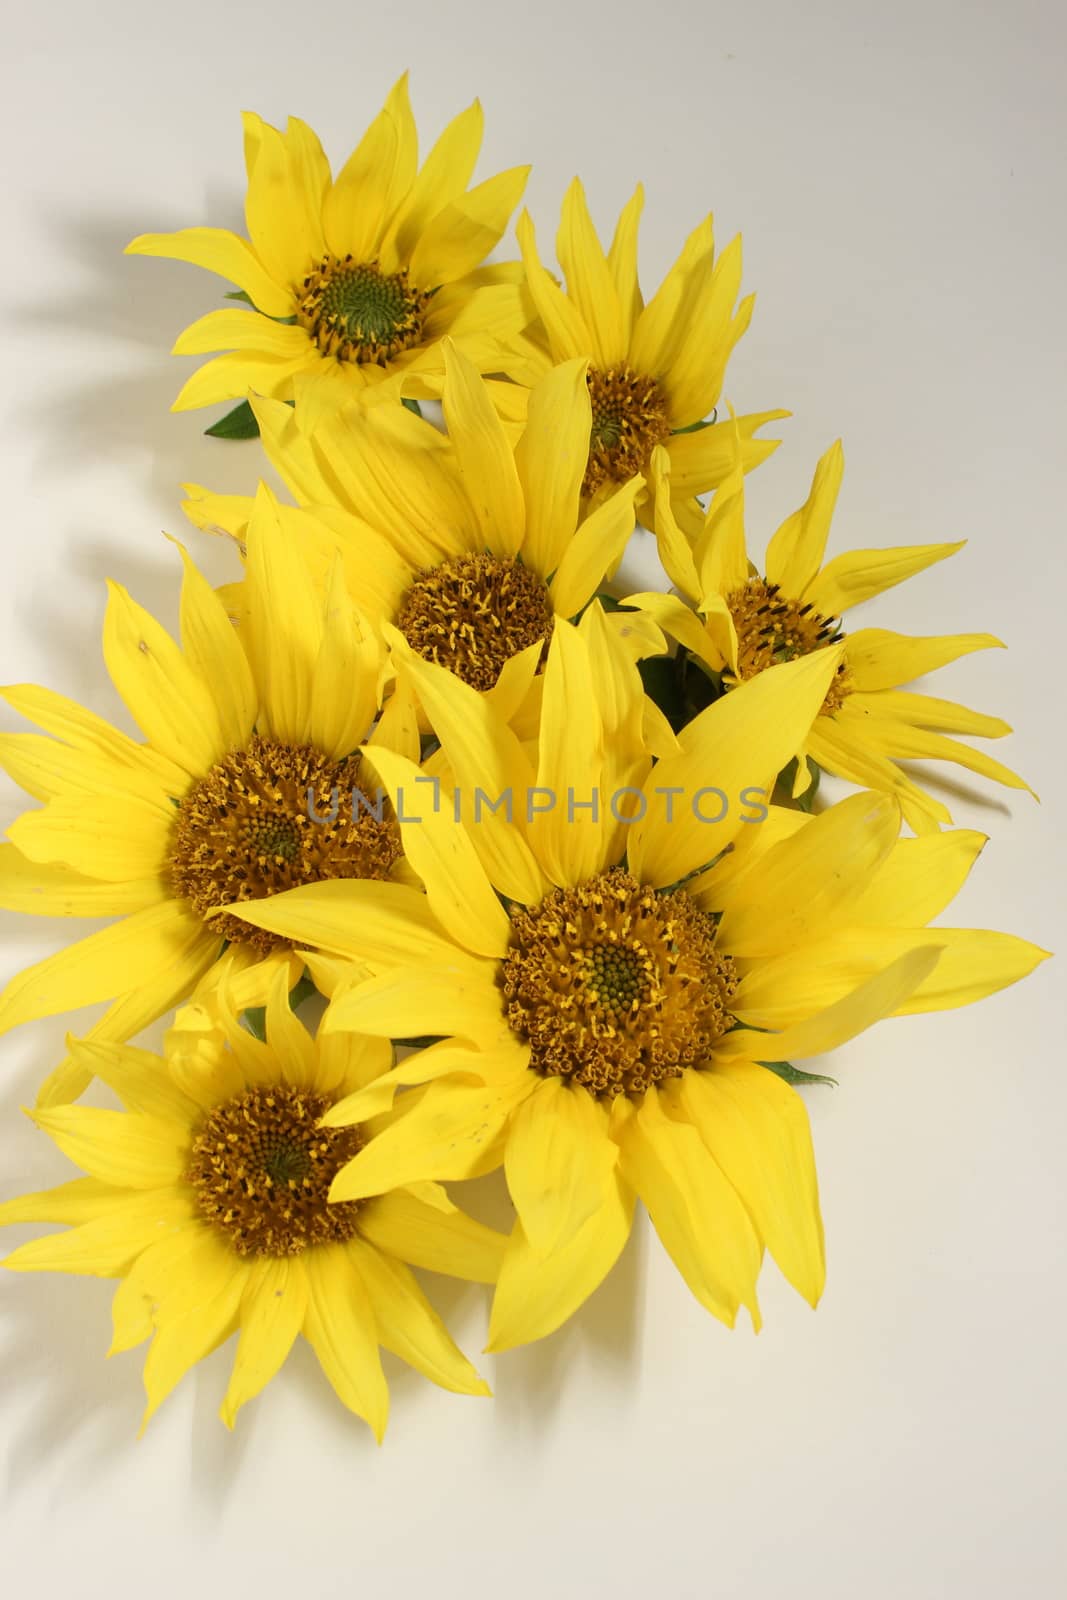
(897, 171)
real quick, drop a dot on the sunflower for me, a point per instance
(231, 796)
(467, 547)
(352, 281)
(207, 1196)
(606, 992)
(655, 372)
(746, 619)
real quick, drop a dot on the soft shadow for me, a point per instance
(945, 788)
(144, 303)
(86, 1410)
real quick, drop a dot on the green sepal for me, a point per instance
(411, 405)
(420, 1041)
(240, 423)
(786, 779)
(695, 427)
(241, 294)
(680, 685)
(255, 1017)
(790, 1074)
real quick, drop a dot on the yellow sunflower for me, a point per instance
(746, 619)
(469, 547)
(352, 281)
(207, 1195)
(606, 991)
(213, 806)
(655, 371)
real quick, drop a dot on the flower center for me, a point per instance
(472, 614)
(771, 629)
(629, 420)
(261, 1170)
(616, 986)
(357, 313)
(268, 818)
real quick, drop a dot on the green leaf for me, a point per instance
(412, 405)
(793, 1075)
(240, 423)
(786, 779)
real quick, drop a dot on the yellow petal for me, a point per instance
(214, 652)
(663, 324)
(444, 176)
(446, 1134)
(243, 330)
(551, 458)
(286, 621)
(93, 836)
(459, 998)
(918, 880)
(590, 283)
(463, 232)
(370, 921)
(559, 1162)
(701, 1223)
(49, 889)
(565, 329)
(795, 554)
(486, 463)
(107, 1245)
(486, 758)
(167, 699)
(345, 676)
(81, 1200)
(739, 743)
(973, 963)
(282, 216)
(841, 746)
(143, 949)
(594, 550)
(536, 1293)
(756, 1128)
(872, 1000)
(693, 379)
(272, 1312)
(572, 827)
(812, 880)
(239, 373)
(702, 459)
(878, 659)
(858, 575)
(405, 1226)
(622, 261)
(121, 1147)
(341, 1328)
(409, 1326)
(218, 250)
(138, 1077)
(205, 1322)
(903, 742)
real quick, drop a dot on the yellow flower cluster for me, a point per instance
(548, 855)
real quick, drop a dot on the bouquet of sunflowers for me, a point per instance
(440, 852)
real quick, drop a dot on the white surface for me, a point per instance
(897, 170)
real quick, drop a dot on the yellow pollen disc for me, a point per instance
(261, 1170)
(630, 417)
(771, 629)
(616, 986)
(357, 313)
(474, 613)
(248, 830)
